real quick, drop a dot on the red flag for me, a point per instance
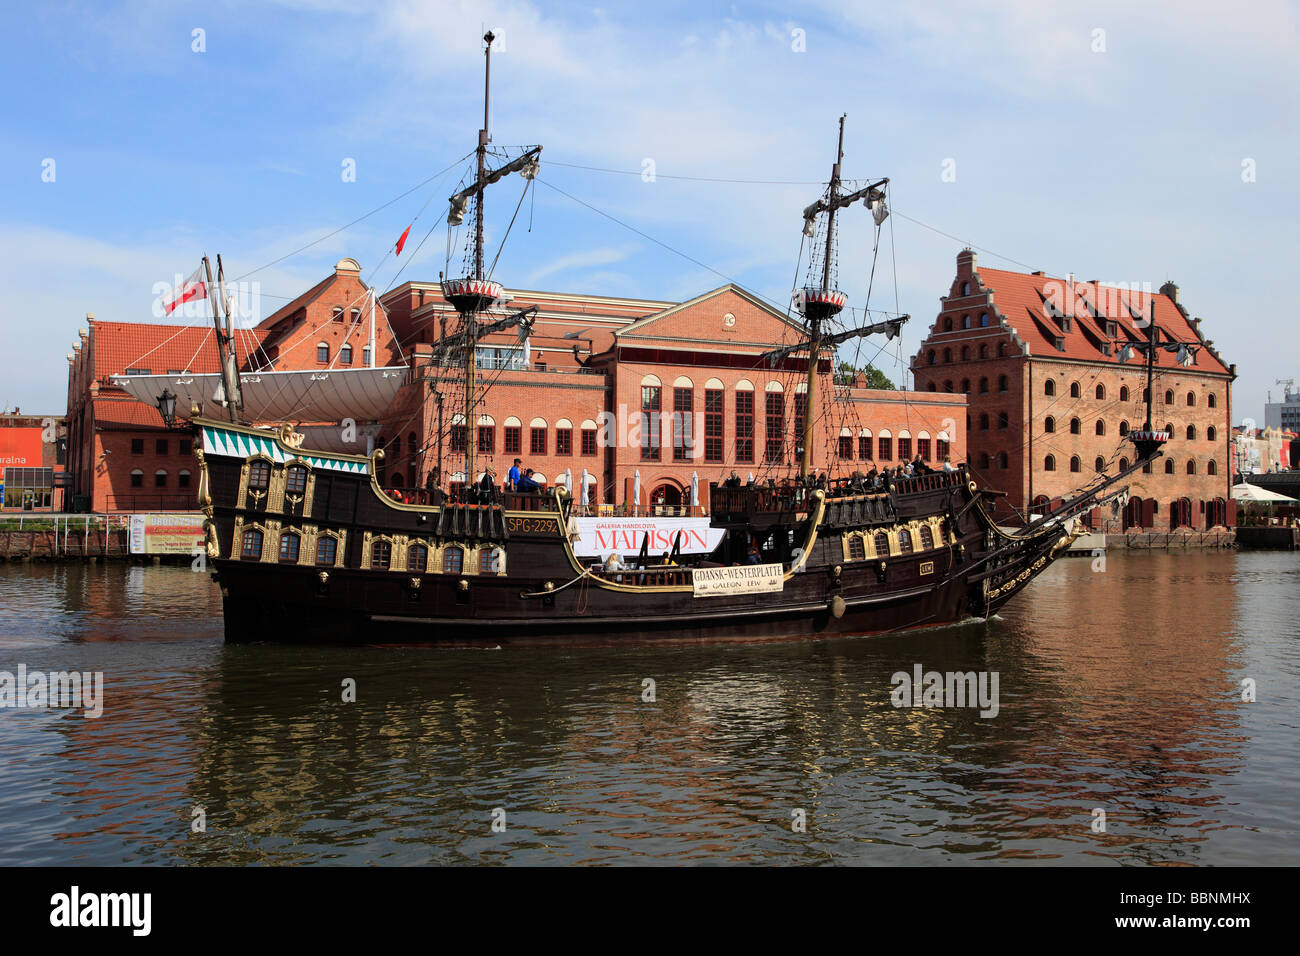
(402, 241)
(194, 288)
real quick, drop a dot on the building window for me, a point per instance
(1004, 421)
(589, 441)
(564, 441)
(1191, 399)
(1123, 464)
(458, 439)
(947, 385)
(905, 449)
(182, 479)
(1099, 465)
(1211, 468)
(1101, 426)
(947, 358)
(683, 421)
(886, 448)
(487, 439)
(1002, 383)
(537, 441)
(774, 449)
(1191, 466)
(965, 386)
(338, 313)
(322, 353)
(650, 409)
(1101, 392)
(1076, 427)
(984, 386)
(289, 542)
(1210, 400)
(453, 560)
(365, 355)
(1123, 429)
(345, 355)
(1002, 349)
(137, 478)
(965, 353)
(1123, 393)
(417, 558)
(846, 446)
(137, 446)
(1049, 424)
(984, 422)
(932, 357)
(381, 555)
(923, 448)
(183, 446)
(1191, 432)
(1049, 387)
(251, 548)
(984, 351)
(984, 460)
(864, 447)
(1074, 390)
(512, 440)
(713, 411)
(160, 478)
(1169, 466)
(160, 446)
(744, 426)
(326, 548)
(1169, 396)
(1074, 463)
(1003, 460)
(1049, 463)
(1211, 433)
(941, 448)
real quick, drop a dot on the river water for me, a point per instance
(1120, 692)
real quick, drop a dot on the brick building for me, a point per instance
(33, 452)
(1050, 400)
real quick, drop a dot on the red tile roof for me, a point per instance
(164, 348)
(1023, 300)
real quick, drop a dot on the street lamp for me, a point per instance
(167, 407)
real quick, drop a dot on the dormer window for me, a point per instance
(1065, 323)
(1112, 330)
(1060, 343)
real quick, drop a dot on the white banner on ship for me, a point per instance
(746, 579)
(600, 537)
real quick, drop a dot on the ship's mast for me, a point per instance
(471, 318)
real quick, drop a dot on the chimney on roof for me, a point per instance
(1170, 290)
(90, 316)
(966, 261)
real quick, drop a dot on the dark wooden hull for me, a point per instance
(958, 567)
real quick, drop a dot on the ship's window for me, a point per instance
(1076, 428)
(882, 544)
(1101, 427)
(417, 558)
(259, 475)
(1169, 466)
(1099, 465)
(381, 555)
(857, 549)
(289, 542)
(492, 560)
(1210, 433)
(927, 537)
(1191, 432)
(1074, 390)
(1210, 400)
(251, 549)
(453, 560)
(1211, 468)
(1101, 392)
(296, 481)
(1049, 463)
(904, 541)
(1049, 424)
(1074, 463)
(1049, 387)
(326, 549)
(1123, 393)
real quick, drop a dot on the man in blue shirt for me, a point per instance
(514, 474)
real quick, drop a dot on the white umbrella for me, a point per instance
(695, 489)
(586, 494)
(751, 477)
(636, 488)
(1254, 494)
(568, 481)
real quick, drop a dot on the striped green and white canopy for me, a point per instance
(239, 444)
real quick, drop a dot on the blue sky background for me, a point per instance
(1122, 164)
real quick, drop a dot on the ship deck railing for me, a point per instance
(652, 576)
(539, 500)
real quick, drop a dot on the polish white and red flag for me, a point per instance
(193, 289)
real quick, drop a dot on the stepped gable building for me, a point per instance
(617, 387)
(1050, 402)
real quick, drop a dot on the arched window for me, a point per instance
(1191, 399)
(882, 544)
(1211, 400)
(1123, 464)
(947, 356)
(345, 355)
(289, 542)
(984, 421)
(1049, 387)
(1074, 463)
(1169, 466)
(1123, 393)
(1169, 428)
(984, 460)
(965, 353)
(932, 357)
(397, 448)
(453, 560)
(1099, 465)
(965, 321)
(1191, 432)
(947, 385)
(1002, 349)
(1074, 390)
(984, 319)
(1002, 383)
(965, 288)
(1075, 427)
(326, 549)
(338, 313)
(1191, 466)
(1123, 429)
(1040, 505)
(1211, 468)
(927, 537)
(1169, 396)
(137, 478)
(251, 548)
(904, 541)
(417, 558)
(1101, 392)
(1002, 460)
(295, 481)
(381, 555)
(984, 351)
(1101, 426)
(1004, 420)
(965, 385)
(947, 324)
(984, 386)
(1211, 433)
(1049, 463)
(1145, 393)
(182, 479)
(160, 478)
(322, 352)
(1049, 424)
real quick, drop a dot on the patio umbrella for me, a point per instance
(636, 488)
(586, 494)
(568, 481)
(695, 489)
(1254, 494)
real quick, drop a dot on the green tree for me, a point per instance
(847, 373)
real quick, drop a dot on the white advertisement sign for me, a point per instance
(746, 579)
(600, 537)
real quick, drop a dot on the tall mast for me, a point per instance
(471, 317)
(229, 367)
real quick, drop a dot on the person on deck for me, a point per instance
(947, 463)
(512, 479)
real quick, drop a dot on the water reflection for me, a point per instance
(1119, 690)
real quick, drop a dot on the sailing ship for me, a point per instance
(308, 546)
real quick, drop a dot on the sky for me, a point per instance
(1116, 141)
